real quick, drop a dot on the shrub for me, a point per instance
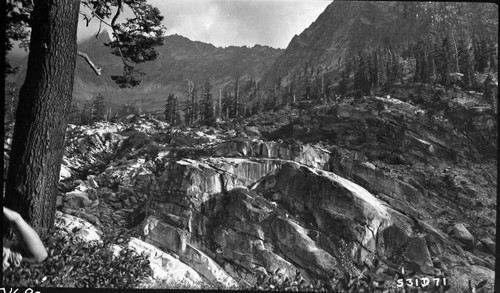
(75, 263)
(135, 141)
(276, 282)
(173, 283)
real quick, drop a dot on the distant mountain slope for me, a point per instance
(346, 27)
(179, 59)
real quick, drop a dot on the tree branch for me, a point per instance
(118, 11)
(94, 14)
(112, 25)
(97, 70)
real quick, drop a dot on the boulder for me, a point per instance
(475, 273)
(92, 182)
(253, 132)
(65, 173)
(77, 199)
(92, 193)
(418, 253)
(83, 215)
(77, 226)
(461, 233)
(479, 261)
(489, 244)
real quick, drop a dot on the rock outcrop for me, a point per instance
(343, 191)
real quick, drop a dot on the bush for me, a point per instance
(162, 137)
(172, 283)
(76, 263)
(276, 282)
(135, 141)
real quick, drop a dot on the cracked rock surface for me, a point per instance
(326, 190)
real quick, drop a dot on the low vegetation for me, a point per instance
(73, 262)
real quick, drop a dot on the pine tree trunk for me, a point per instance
(44, 103)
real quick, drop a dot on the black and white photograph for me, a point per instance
(250, 145)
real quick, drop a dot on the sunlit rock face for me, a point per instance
(245, 212)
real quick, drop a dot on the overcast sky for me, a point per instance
(236, 22)
(229, 22)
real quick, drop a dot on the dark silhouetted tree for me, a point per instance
(74, 114)
(228, 104)
(344, 81)
(393, 70)
(465, 62)
(237, 96)
(98, 109)
(172, 110)
(45, 97)
(207, 105)
(374, 69)
(444, 61)
(361, 79)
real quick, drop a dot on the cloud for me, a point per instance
(232, 22)
(237, 22)
(229, 22)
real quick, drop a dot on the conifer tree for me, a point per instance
(86, 113)
(227, 105)
(481, 54)
(195, 105)
(444, 61)
(190, 102)
(393, 71)
(361, 81)
(277, 93)
(374, 69)
(344, 81)
(431, 65)
(237, 96)
(74, 114)
(422, 67)
(171, 110)
(465, 62)
(307, 82)
(98, 110)
(483, 58)
(327, 88)
(206, 102)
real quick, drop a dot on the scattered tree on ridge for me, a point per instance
(172, 110)
(207, 107)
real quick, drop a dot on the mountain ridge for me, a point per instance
(180, 59)
(346, 28)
